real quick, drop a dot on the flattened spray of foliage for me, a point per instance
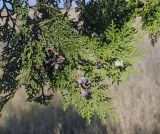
(47, 53)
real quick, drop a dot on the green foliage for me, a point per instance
(98, 15)
(47, 53)
(150, 14)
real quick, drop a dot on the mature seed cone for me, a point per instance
(84, 82)
(55, 61)
(85, 87)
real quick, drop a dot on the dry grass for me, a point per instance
(20, 117)
(137, 104)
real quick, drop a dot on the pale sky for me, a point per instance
(32, 2)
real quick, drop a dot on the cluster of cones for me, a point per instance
(54, 60)
(85, 85)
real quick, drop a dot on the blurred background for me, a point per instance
(138, 105)
(137, 102)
